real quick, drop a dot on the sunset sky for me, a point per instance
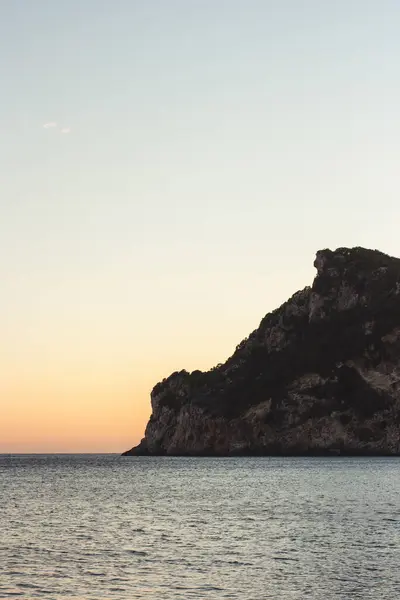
(168, 169)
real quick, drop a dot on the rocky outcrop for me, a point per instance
(320, 375)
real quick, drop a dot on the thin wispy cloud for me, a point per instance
(53, 125)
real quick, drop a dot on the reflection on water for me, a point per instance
(105, 527)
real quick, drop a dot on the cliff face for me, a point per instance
(320, 375)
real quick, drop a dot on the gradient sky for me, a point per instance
(214, 146)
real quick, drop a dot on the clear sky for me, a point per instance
(204, 150)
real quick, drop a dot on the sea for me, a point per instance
(154, 528)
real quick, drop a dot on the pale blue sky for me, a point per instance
(215, 145)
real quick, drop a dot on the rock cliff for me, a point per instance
(320, 375)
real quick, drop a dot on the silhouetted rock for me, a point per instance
(320, 375)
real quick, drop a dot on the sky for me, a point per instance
(168, 170)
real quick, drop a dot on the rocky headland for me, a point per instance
(320, 375)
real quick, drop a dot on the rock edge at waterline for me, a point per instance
(319, 376)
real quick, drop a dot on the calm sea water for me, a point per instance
(107, 527)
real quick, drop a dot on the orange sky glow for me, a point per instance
(209, 150)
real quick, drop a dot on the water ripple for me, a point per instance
(103, 527)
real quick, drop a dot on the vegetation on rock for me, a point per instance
(321, 374)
